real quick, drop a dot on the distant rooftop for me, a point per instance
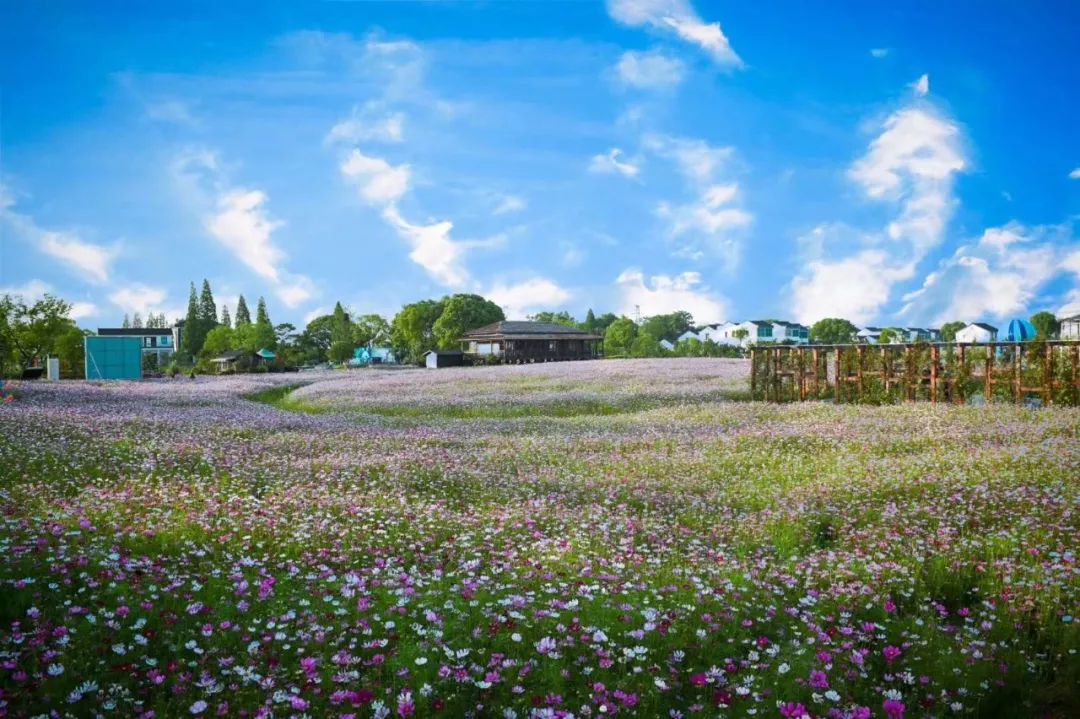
(135, 331)
(527, 330)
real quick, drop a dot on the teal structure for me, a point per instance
(111, 357)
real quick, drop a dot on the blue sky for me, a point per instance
(910, 164)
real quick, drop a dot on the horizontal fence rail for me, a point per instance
(958, 373)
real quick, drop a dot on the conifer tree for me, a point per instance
(225, 320)
(127, 321)
(243, 316)
(190, 341)
(207, 308)
(340, 326)
(136, 320)
(264, 330)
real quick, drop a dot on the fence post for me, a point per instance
(935, 356)
(988, 381)
(753, 373)
(961, 371)
(1016, 374)
(836, 368)
(1048, 374)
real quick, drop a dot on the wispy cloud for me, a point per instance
(610, 163)
(879, 52)
(677, 17)
(532, 295)
(368, 123)
(651, 70)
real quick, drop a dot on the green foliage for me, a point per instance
(949, 330)
(1046, 325)
(619, 338)
(461, 313)
(412, 331)
(226, 321)
(645, 345)
(889, 336)
(668, 327)
(218, 340)
(70, 348)
(833, 331)
(30, 332)
(314, 341)
(560, 318)
(341, 351)
(370, 328)
(191, 339)
(341, 329)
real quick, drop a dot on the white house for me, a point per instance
(719, 333)
(869, 335)
(1070, 328)
(688, 335)
(757, 332)
(977, 332)
(667, 345)
(790, 332)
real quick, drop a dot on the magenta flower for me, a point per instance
(891, 653)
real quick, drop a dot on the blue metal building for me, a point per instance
(113, 357)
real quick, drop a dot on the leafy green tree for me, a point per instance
(369, 329)
(127, 321)
(833, 331)
(1046, 325)
(949, 330)
(285, 335)
(70, 347)
(461, 313)
(412, 330)
(589, 325)
(888, 336)
(668, 327)
(243, 316)
(314, 341)
(341, 351)
(604, 321)
(560, 318)
(740, 334)
(244, 338)
(264, 330)
(219, 340)
(619, 338)
(645, 345)
(190, 341)
(226, 321)
(29, 332)
(136, 320)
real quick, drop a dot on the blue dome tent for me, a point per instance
(1020, 331)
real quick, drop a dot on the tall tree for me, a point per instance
(949, 330)
(314, 341)
(190, 341)
(136, 320)
(371, 328)
(127, 321)
(341, 329)
(243, 317)
(226, 321)
(207, 308)
(264, 329)
(1046, 325)
(589, 325)
(669, 326)
(619, 337)
(833, 331)
(461, 313)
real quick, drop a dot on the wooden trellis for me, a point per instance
(933, 372)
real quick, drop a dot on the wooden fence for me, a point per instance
(934, 372)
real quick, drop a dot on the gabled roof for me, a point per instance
(784, 323)
(760, 323)
(527, 330)
(135, 331)
(231, 356)
(988, 328)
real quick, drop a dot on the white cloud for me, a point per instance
(239, 220)
(912, 164)
(662, 294)
(379, 182)
(84, 257)
(855, 287)
(610, 163)
(1075, 174)
(696, 159)
(82, 310)
(508, 204)
(243, 227)
(317, 312)
(651, 70)
(711, 220)
(138, 298)
(518, 300)
(921, 86)
(997, 277)
(879, 52)
(678, 17)
(432, 247)
(364, 124)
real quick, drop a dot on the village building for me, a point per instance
(977, 332)
(1070, 328)
(437, 359)
(520, 341)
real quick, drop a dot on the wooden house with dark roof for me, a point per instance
(519, 341)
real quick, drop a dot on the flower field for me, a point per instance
(585, 539)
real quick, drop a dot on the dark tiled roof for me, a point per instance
(230, 356)
(989, 328)
(514, 328)
(135, 331)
